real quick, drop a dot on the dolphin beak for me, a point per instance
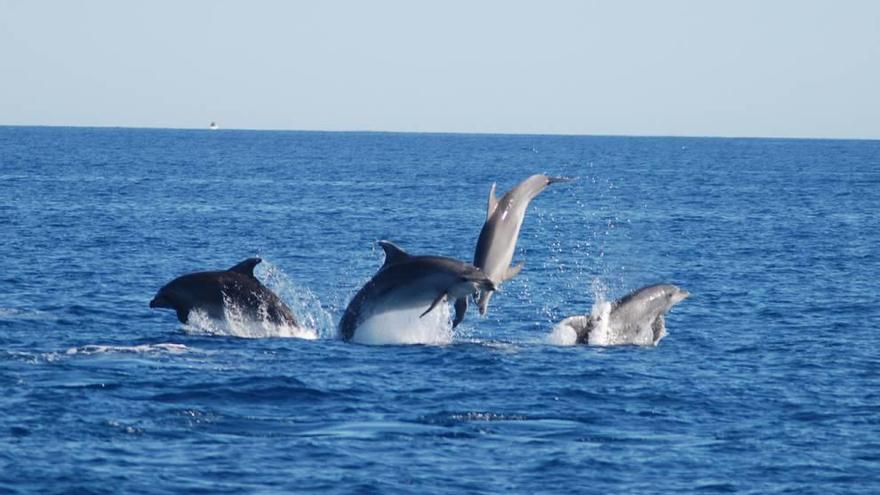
(680, 296)
(159, 302)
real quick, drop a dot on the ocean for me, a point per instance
(768, 380)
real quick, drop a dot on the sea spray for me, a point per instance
(600, 334)
(306, 306)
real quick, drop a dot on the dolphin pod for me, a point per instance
(409, 282)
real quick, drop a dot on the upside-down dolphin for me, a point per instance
(214, 292)
(405, 281)
(637, 318)
(498, 237)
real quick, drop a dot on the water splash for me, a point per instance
(306, 306)
(406, 326)
(235, 324)
(564, 335)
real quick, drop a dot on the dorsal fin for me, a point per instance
(246, 267)
(493, 203)
(393, 254)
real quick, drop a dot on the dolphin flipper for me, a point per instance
(659, 328)
(441, 297)
(512, 271)
(461, 306)
(182, 314)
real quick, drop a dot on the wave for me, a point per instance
(165, 348)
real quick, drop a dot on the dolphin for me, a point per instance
(407, 281)
(637, 318)
(498, 237)
(211, 292)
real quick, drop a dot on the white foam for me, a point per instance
(133, 349)
(236, 325)
(405, 326)
(562, 335)
(600, 335)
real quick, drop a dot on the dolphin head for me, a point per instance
(533, 185)
(179, 294)
(653, 298)
(165, 297)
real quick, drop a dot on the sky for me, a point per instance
(780, 68)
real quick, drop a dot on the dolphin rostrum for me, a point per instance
(407, 281)
(637, 318)
(213, 292)
(498, 237)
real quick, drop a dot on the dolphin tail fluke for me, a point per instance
(434, 304)
(461, 306)
(512, 271)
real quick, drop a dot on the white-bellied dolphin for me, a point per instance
(405, 281)
(637, 318)
(213, 292)
(497, 241)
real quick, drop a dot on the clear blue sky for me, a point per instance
(698, 68)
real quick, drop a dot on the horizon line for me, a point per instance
(460, 133)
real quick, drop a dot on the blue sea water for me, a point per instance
(766, 383)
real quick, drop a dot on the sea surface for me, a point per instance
(768, 381)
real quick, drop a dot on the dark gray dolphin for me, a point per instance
(212, 291)
(497, 241)
(407, 281)
(637, 318)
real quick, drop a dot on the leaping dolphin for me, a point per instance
(406, 281)
(498, 237)
(212, 292)
(637, 318)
